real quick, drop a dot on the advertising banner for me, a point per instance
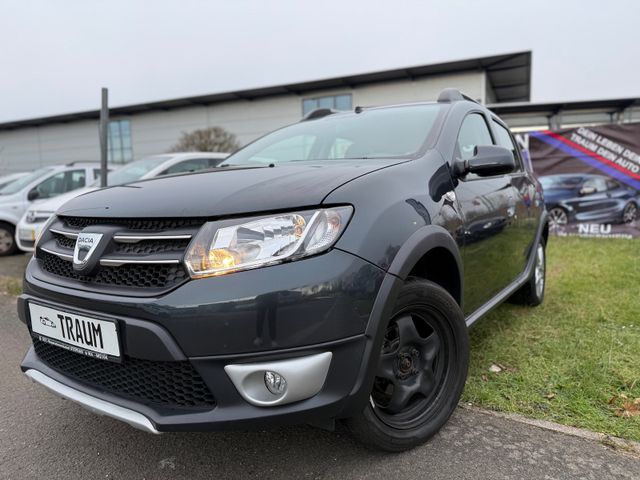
(590, 177)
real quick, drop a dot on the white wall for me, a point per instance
(156, 132)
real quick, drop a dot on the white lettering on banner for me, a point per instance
(594, 228)
(607, 148)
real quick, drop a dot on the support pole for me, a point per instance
(104, 125)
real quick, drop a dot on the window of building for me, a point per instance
(336, 102)
(120, 150)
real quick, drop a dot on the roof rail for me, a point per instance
(450, 95)
(318, 113)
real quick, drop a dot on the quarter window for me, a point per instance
(504, 139)
(120, 149)
(336, 102)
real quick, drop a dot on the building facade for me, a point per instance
(137, 131)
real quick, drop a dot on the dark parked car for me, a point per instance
(328, 271)
(580, 197)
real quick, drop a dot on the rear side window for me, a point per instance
(504, 139)
(473, 132)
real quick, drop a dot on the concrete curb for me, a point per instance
(628, 447)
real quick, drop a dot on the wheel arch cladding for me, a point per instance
(431, 253)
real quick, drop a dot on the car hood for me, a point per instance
(226, 191)
(7, 199)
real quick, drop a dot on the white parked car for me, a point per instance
(12, 177)
(167, 164)
(44, 183)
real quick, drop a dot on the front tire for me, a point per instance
(421, 373)
(7, 239)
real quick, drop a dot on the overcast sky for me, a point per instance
(56, 55)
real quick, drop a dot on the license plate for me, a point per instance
(89, 336)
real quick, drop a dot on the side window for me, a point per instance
(473, 132)
(61, 182)
(214, 162)
(599, 184)
(191, 165)
(611, 185)
(504, 139)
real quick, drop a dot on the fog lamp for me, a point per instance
(275, 382)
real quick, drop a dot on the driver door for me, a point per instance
(486, 204)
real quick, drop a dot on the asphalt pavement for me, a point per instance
(44, 437)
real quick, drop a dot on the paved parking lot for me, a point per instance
(13, 266)
(42, 436)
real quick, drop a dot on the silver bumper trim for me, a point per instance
(305, 377)
(96, 405)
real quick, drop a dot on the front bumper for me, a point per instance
(326, 305)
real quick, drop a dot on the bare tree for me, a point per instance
(212, 139)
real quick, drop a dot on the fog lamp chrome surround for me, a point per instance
(305, 377)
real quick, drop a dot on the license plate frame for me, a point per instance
(58, 326)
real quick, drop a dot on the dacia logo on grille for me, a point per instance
(86, 244)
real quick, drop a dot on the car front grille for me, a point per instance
(172, 385)
(143, 256)
(132, 275)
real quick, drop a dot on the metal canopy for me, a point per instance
(553, 108)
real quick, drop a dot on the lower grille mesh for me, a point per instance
(165, 384)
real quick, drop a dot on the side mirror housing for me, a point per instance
(33, 194)
(487, 161)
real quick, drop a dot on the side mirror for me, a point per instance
(587, 190)
(487, 161)
(33, 194)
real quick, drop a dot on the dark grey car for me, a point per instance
(328, 271)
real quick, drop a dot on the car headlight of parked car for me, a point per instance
(225, 247)
(35, 216)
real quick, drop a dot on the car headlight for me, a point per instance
(35, 216)
(224, 247)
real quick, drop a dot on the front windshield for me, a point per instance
(22, 182)
(375, 133)
(134, 170)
